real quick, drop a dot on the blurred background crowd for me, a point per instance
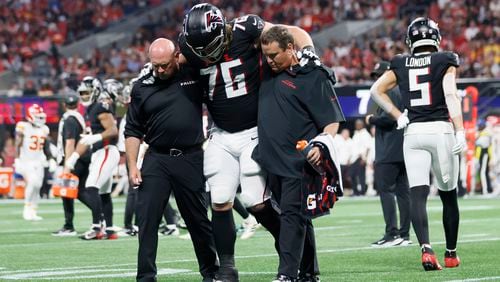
(35, 33)
(30, 29)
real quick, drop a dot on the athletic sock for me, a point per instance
(239, 208)
(94, 201)
(418, 196)
(107, 209)
(224, 233)
(451, 217)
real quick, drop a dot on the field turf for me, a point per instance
(29, 253)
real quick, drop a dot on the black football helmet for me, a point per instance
(423, 32)
(204, 28)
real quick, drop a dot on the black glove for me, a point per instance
(308, 55)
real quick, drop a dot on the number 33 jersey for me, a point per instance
(420, 80)
(232, 84)
(33, 141)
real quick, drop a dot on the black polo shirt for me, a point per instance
(293, 105)
(167, 113)
(72, 130)
(388, 140)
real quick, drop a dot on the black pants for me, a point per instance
(130, 208)
(162, 174)
(484, 172)
(82, 171)
(297, 239)
(392, 184)
(357, 173)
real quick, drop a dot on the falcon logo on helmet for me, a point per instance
(89, 90)
(423, 32)
(204, 28)
(212, 20)
(36, 115)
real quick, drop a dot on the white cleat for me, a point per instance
(250, 225)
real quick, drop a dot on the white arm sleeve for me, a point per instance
(450, 95)
(377, 97)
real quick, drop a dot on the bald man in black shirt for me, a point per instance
(166, 113)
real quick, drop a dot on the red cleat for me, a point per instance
(430, 262)
(111, 235)
(451, 259)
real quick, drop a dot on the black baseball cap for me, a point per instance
(71, 100)
(380, 68)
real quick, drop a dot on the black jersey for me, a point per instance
(293, 105)
(232, 84)
(420, 80)
(92, 116)
(167, 113)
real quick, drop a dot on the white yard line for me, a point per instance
(40, 273)
(477, 279)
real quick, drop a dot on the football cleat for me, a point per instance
(128, 231)
(406, 242)
(250, 225)
(227, 274)
(388, 241)
(308, 278)
(451, 259)
(93, 234)
(64, 232)
(284, 278)
(165, 231)
(429, 260)
(110, 235)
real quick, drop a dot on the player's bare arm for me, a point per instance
(110, 129)
(379, 91)
(452, 99)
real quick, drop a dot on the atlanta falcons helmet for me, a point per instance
(423, 32)
(204, 28)
(112, 89)
(89, 90)
(36, 115)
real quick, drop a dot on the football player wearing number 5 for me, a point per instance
(426, 79)
(230, 62)
(31, 155)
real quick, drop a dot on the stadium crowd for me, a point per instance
(470, 29)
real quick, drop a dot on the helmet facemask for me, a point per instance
(89, 90)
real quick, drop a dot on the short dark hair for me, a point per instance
(279, 34)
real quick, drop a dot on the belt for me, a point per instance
(176, 152)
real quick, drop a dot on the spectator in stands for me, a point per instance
(14, 91)
(357, 171)
(345, 146)
(29, 89)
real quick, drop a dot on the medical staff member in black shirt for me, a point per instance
(165, 112)
(295, 103)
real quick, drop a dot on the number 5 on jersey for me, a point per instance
(423, 87)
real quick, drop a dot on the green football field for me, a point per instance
(29, 253)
